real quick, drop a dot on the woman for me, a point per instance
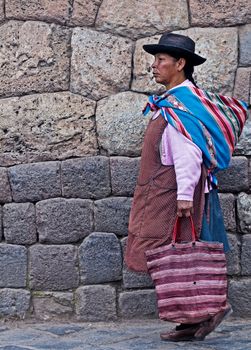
(185, 144)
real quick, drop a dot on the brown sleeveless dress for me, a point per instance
(154, 208)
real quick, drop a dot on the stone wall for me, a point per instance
(74, 80)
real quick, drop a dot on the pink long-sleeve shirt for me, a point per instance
(177, 150)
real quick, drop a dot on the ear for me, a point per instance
(181, 64)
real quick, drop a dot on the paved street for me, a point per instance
(127, 335)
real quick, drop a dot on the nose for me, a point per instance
(154, 64)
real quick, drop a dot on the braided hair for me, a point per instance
(188, 69)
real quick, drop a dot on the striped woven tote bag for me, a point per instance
(190, 278)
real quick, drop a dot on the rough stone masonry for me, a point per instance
(73, 83)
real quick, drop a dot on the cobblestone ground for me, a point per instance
(130, 335)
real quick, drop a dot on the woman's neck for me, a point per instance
(175, 82)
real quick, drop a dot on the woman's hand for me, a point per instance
(184, 208)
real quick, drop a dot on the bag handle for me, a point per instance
(176, 228)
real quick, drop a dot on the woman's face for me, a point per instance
(166, 68)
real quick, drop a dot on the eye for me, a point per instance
(161, 58)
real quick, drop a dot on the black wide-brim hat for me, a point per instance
(178, 45)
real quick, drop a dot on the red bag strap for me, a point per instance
(176, 228)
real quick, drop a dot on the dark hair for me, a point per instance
(188, 69)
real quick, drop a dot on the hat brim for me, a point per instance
(195, 59)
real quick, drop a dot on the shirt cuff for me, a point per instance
(184, 197)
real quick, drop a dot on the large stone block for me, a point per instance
(34, 182)
(139, 303)
(46, 126)
(244, 212)
(233, 256)
(235, 178)
(120, 123)
(19, 223)
(246, 255)
(101, 63)
(78, 12)
(2, 5)
(243, 83)
(218, 45)
(96, 303)
(53, 305)
(53, 267)
(62, 220)
(100, 258)
(5, 191)
(124, 173)
(34, 57)
(244, 144)
(142, 18)
(227, 201)
(111, 215)
(239, 292)
(14, 302)
(86, 178)
(13, 266)
(132, 279)
(1, 223)
(84, 12)
(219, 13)
(245, 43)
(44, 10)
